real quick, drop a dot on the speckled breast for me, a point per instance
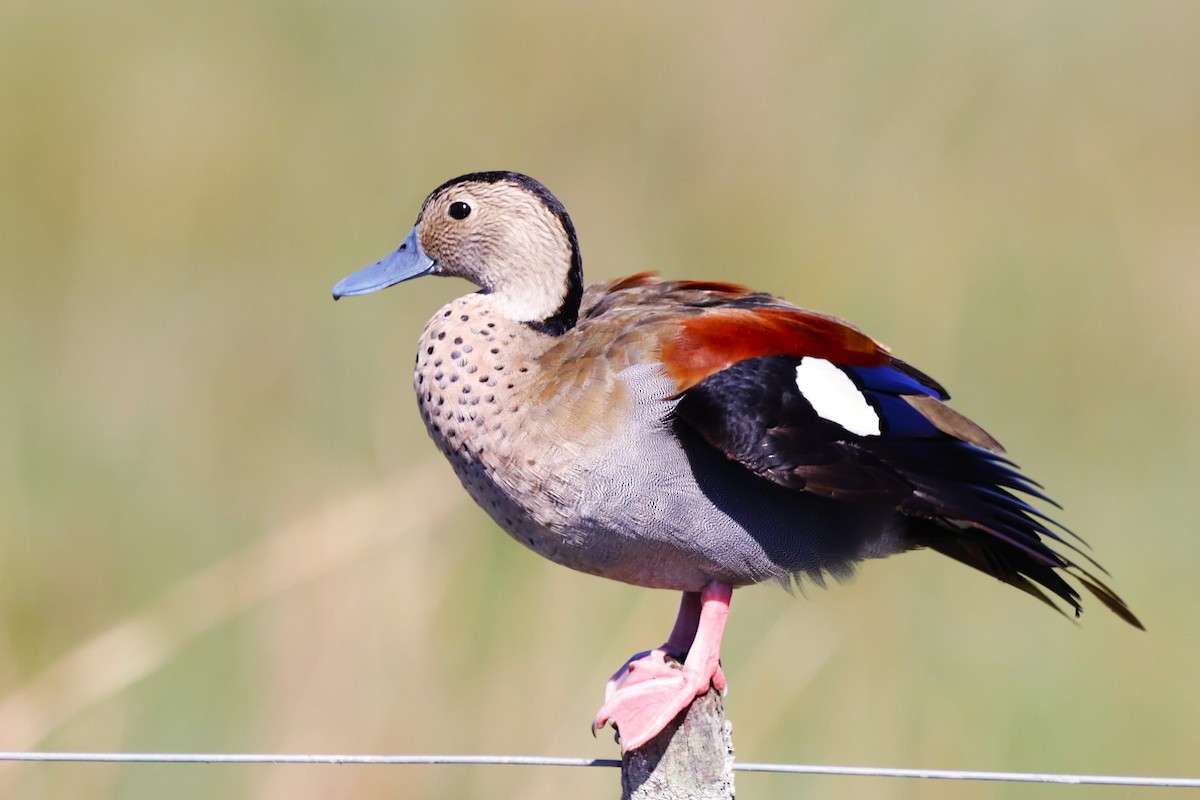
(471, 381)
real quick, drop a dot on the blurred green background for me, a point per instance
(222, 527)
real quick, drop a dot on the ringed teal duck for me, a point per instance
(693, 436)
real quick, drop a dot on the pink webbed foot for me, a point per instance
(648, 696)
(652, 688)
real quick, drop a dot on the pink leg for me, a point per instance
(648, 692)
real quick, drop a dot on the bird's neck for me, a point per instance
(546, 300)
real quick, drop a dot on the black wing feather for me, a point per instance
(958, 498)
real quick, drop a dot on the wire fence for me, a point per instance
(541, 761)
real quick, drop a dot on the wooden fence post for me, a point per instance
(692, 759)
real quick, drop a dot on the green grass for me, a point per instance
(217, 517)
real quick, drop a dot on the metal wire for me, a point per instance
(541, 761)
(315, 758)
(971, 775)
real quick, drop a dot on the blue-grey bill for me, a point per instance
(407, 262)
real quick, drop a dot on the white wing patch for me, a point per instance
(835, 397)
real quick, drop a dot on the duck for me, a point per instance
(695, 436)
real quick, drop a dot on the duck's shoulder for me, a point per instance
(646, 294)
(610, 362)
(699, 328)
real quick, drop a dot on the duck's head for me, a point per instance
(504, 232)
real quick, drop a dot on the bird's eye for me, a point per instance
(459, 209)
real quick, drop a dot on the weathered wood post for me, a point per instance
(692, 759)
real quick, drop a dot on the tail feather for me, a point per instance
(1021, 566)
(1110, 599)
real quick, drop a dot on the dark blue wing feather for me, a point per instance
(897, 378)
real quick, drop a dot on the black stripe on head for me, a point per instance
(567, 314)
